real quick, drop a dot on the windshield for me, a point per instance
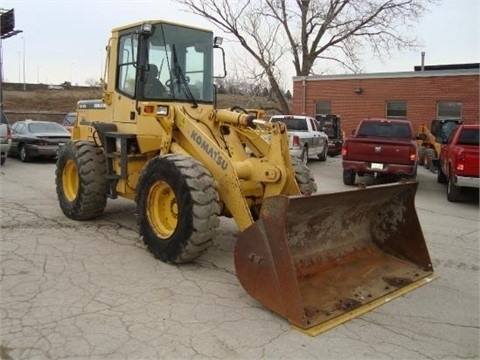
(293, 124)
(180, 59)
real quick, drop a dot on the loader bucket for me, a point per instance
(321, 260)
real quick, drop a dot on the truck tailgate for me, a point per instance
(371, 150)
(471, 159)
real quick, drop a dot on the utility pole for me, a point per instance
(7, 26)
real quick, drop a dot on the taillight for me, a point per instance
(413, 154)
(344, 149)
(9, 133)
(296, 140)
(460, 166)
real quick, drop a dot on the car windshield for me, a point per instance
(47, 127)
(293, 124)
(383, 129)
(469, 137)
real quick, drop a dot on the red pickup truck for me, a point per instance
(380, 147)
(459, 161)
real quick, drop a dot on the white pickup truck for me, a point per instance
(305, 139)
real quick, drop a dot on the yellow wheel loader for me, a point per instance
(157, 138)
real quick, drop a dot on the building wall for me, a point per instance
(420, 92)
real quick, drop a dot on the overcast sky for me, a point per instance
(64, 40)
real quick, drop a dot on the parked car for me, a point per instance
(69, 120)
(458, 164)
(380, 147)
(5, 138)
(305, 139)
(33, 139)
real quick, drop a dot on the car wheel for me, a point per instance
(349, 177)
(430, 154)
(441, 177)
(453, 191)
(323, 155)
(421, 155)
(177, 207)
(24, 155)
(304, 156)
(80, 179)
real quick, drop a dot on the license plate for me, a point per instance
(376, 166)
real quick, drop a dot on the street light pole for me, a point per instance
(24, 81)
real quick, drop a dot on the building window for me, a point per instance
(397, 109)
(449, 109)
(323, 107)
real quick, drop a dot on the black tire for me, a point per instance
(422, 151)
(430, 154)
(304, 155)
(23, 153)
(3, 158)
(303, 175)
(441, 177)
(80, 180)
(349, 177)
(323, 155)
(177, 208)
(453, 191)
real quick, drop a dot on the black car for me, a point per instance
(33, 139)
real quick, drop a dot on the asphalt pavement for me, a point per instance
(90, 289)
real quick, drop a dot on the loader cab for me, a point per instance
(443, 128)
(178, 60)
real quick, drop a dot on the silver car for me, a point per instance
(5, 138)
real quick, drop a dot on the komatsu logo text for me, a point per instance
(205, 146)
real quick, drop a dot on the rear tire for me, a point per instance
(304, 156)
(453, 191)
(429, 156)
(177, 207)
(80, 180)
(349, 177)
(303, 175)
(421, 155)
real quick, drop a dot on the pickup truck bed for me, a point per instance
(380, 147)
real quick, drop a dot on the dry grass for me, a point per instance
(63, 101)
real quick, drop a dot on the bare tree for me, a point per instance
(93, 82)
(309, 31)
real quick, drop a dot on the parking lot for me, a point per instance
(90, 290)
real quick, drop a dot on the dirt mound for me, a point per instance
(38, 102)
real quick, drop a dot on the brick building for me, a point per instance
(418, 96)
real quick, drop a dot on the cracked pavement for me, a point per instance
(90, 289)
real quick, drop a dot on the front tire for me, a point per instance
(177, 207)
(24, 155)
(323, 155)
(80, 180)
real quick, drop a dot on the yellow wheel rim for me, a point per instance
(162, 210)
(70, 181)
